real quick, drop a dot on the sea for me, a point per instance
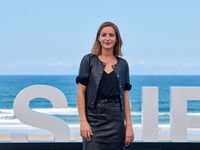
(11, 85)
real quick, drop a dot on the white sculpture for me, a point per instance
(43, 121)
(150, 114)
(179, 121)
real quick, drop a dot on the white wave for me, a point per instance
(164, 125)
(163, 113)
(74, 125)
(58, 111)
(22, 126)
(50, 111)
(194, 129)
(193, 114)
(159, 125)
(134, 113)
(6, 115)
(9, 121)
(7, 111)
(137, 125)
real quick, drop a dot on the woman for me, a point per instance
(102, 97)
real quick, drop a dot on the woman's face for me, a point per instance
(107, 38)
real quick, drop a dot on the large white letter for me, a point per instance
(23, 112)
(179, 121)
(150, 114)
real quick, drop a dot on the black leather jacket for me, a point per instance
(90, 73)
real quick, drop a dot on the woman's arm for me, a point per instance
(127, 114)
(85, 129)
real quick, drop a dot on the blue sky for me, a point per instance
(161, 37)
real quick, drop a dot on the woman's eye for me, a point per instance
(112, 35)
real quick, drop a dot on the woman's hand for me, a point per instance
(85, 130)
(129, 135)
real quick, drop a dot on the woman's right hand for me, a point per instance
(85, 130)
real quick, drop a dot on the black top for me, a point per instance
(90, 74)
(109, 86)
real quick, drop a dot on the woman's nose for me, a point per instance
(107, 37)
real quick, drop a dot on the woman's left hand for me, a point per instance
(129, 135)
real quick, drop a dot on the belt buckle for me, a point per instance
(103, 100)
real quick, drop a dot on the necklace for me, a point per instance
(107, 61)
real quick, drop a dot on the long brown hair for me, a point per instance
(96, 50)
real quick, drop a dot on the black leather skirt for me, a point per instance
(107, 123)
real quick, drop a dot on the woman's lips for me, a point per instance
(107, 43)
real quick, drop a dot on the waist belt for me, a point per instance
(108, 100)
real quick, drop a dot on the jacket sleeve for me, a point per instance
(127, 79)
(84, 71)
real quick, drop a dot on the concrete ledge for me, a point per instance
(78, 146)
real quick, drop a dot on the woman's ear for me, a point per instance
(99, 38)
